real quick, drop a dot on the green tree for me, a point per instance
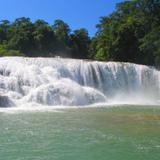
(43, 38)
(80, 43)
(20, 35)
(4, 28)
(62, 31)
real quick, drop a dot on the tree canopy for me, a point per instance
(25, 38)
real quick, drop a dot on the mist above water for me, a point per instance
(69, 82)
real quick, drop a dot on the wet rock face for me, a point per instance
(5, 101)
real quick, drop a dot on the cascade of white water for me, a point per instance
(56, 81)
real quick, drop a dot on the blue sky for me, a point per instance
(77, 13)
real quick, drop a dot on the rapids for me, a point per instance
(69, 82)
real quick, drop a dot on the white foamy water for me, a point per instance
(69, 82)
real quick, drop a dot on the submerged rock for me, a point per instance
(5, 101)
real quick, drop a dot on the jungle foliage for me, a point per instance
(131, 34)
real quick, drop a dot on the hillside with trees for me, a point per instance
(130, 34)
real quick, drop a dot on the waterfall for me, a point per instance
(69, 82)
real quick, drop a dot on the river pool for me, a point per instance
(103, 133)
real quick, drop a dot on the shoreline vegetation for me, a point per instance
(129, 34)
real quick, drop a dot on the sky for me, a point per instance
(76, 13)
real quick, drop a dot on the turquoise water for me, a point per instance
(118, 133)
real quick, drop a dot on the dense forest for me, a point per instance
(131, 33)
